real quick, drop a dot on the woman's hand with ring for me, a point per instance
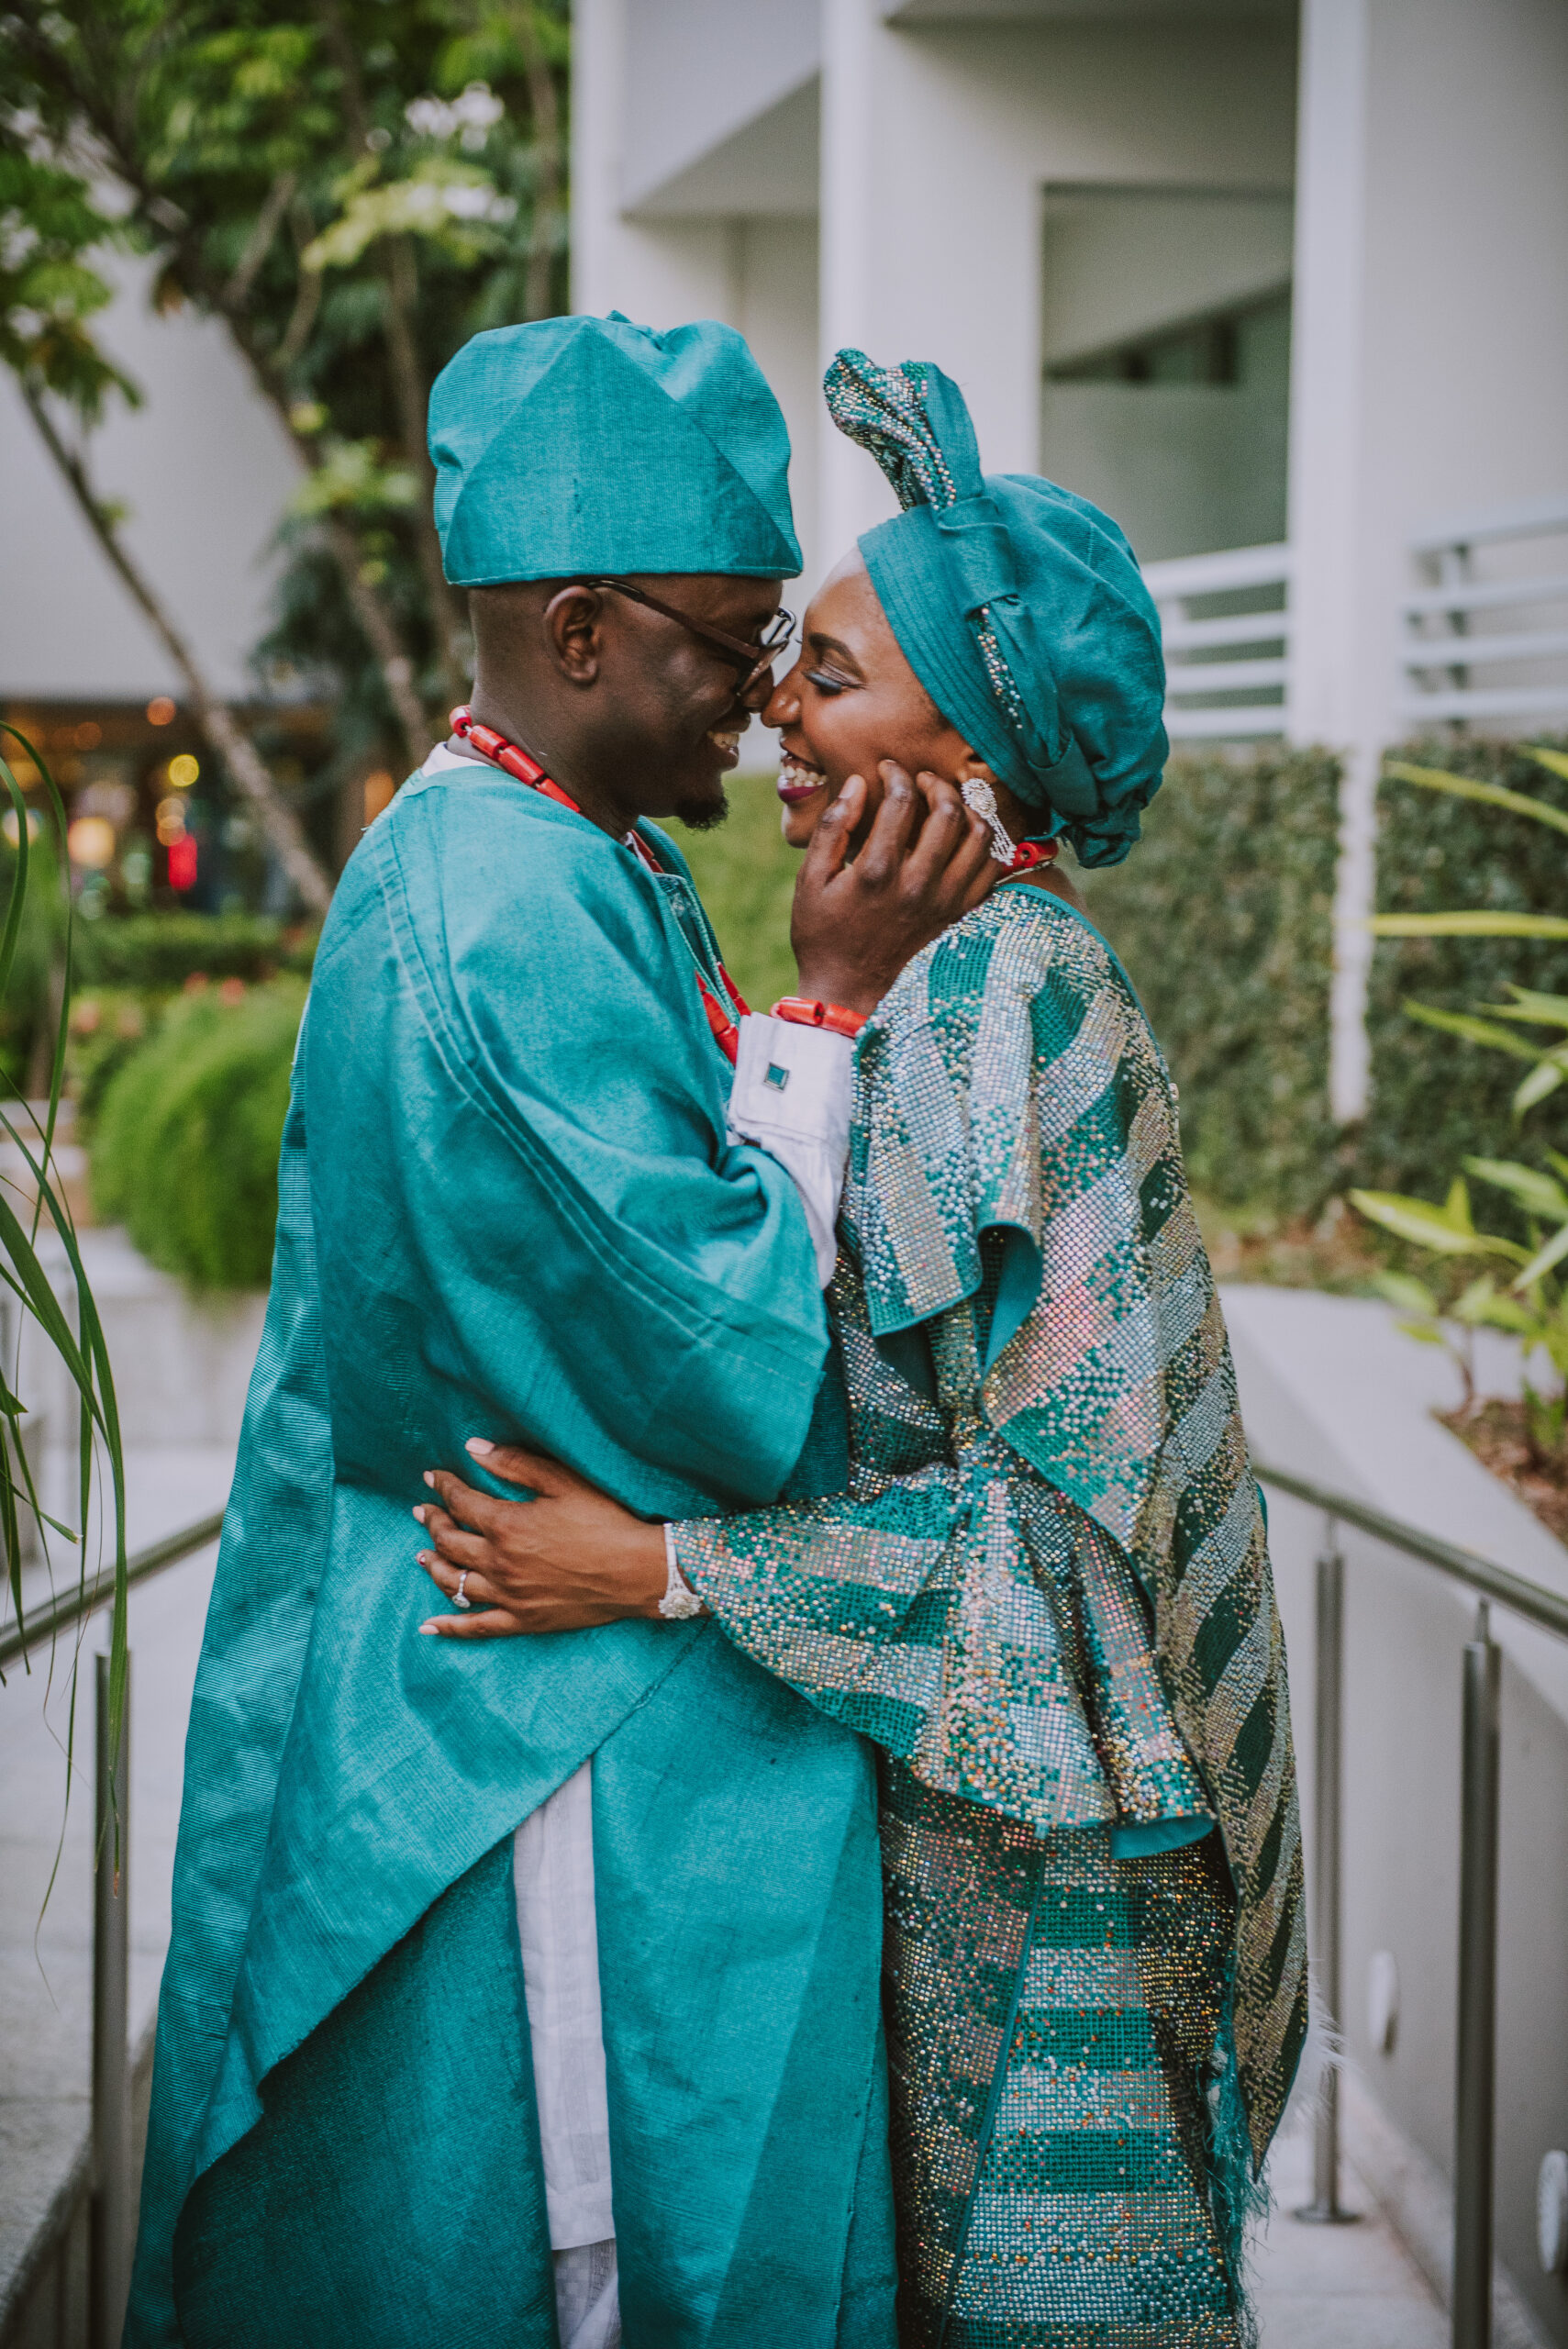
(565, 1560)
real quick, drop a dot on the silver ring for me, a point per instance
(458, 1599)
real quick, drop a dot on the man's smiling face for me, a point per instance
(680, 716)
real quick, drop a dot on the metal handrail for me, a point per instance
(111, 2217)
(97, 1591)
(1475, 2092)
(1521, 1597)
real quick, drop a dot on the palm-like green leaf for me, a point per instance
(1448, 1231)
(1544, 1078)
(1476, 923)
(1408, 1294)
(1538, 1194)
(1531, 1009)
(1474, 1031)
(82, 1351)
(1547, 1260)
(1465, 786)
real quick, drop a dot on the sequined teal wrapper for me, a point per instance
(1045, 1596)
(1081, 2213)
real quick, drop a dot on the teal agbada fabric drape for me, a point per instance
(507, 1206)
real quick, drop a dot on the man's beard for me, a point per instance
(703, 815)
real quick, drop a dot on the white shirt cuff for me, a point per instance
(791, 1097)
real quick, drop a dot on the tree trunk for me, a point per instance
(227, 301)
(400, 289)
(216, 719)
(413, 396)
(544, 104)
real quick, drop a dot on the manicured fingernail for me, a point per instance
(425, 1558)
(428, 1631)
(479, 1445)
(429, 1476)
(417, 1514)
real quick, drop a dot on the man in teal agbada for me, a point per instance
(509, 1199)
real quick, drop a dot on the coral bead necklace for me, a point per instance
(723, 1018)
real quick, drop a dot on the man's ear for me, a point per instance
(574, 626)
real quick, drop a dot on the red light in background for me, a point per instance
(182, 862)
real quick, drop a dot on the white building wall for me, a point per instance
(936, 144)
(206, 472)
(1431, 354)
(757, 272)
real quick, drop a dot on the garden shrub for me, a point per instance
(32, 1002)
(745, 878)
(1434, 1099)
(184, 1149)
(158, 953)
(1222, 918)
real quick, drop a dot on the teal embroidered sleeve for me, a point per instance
(1064, 1598)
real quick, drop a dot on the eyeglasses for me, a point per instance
(753, 660)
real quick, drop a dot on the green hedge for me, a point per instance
(185, 1148)
(1435, 1099)
(1222, 918)
(31, 1005)
(160, 952)
(745, 876)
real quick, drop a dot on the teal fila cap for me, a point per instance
(580, 445)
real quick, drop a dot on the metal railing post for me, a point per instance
(1475, 2085)
(109, 2279)
(1325, 2210)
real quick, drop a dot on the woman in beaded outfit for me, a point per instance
(1045, 1594)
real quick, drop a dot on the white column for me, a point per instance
(659, 274)
(849, 487)
(1329, 698)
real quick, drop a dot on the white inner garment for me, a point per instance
(553, 1870)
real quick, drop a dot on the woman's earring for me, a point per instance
(976, 793)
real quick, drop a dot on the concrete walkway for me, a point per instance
(1336, 2288)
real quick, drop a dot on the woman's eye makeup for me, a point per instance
(829, 681)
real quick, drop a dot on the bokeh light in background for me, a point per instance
(162, 710)
(171, 821)
(89, 842)
(182, 862)
(183, 770)
(12, 828)
(381, 789)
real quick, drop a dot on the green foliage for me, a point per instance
(1440, 1090)
(745, 876)
(1221, 917)
(1533, 1309)
(163, 951)
(185, 1150)
(38, 907)
(29, 1012)
(350, 188)
(107, 1026)
(49, 290)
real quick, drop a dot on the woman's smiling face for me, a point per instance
(851, 701)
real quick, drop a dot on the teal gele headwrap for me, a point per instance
(1020, 609)
(577, 445)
